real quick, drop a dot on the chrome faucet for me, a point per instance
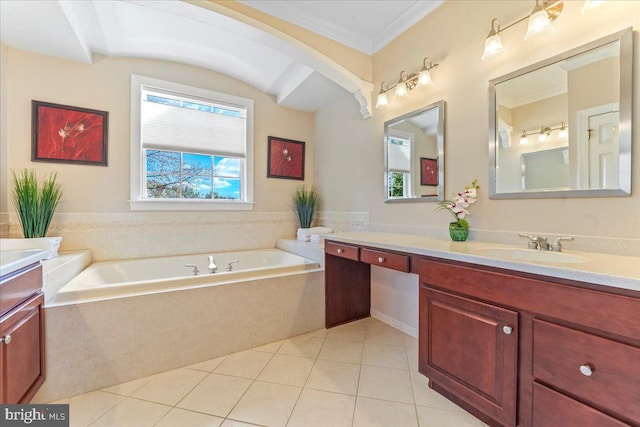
(230, 264)
(556, 246)
(536, 242)
(212, 265)
(195, 271)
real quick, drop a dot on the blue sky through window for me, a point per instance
(192, 105)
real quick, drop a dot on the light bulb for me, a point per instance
(424, 78)
(539, 22)
(493, 44)
(382, 101)
(563, 133)
(401, 90)
(523, 139)
(543, 135)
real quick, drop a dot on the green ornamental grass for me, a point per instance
(35, 201)
(305, 203)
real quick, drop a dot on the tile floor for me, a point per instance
(363, 374)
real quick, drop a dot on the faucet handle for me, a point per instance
(533, 241)
(212, 265)
(195, 271)
(556, 246)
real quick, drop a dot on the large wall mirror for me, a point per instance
(414, 156)
(562, 127)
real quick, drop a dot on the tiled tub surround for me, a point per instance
(98, 344)
(114, 236)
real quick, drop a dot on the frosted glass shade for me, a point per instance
(492, 47)
(539, 23)
(424, 78)
(401, 90)
(382, 101)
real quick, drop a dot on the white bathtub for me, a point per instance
(105, 280)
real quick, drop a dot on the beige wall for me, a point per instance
(105, 85)
(453, 36)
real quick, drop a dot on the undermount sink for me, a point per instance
(530, 255)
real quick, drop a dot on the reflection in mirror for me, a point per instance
(414, 155)
(562, 127)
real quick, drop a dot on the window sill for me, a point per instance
(189, 205)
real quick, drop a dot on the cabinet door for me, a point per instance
(21, 359)
(469, 350)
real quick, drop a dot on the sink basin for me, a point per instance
(530, 255)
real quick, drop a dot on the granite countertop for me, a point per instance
(603, 269)
(12, 261)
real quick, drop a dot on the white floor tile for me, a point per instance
(385, 384)
(337, 377)
(381, 413)
(303, 346)
(207, 365)
(182, 418)
(322, 409)
(385, 355)
(215, 395)
(246, 364)
(133, 412)
(341, 351)
(287, 370)
(266, 404)
(86, 408)
(170, 387)
(128, 388)
(434, 417)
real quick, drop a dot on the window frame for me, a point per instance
(137, 165)
(407, 177)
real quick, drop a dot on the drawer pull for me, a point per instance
(507, 330)
(6, 339)
(340, 250)
(586, 370)
(381, 260)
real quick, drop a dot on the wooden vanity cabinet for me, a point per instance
(571, 356)
(22, 362)
(470, 351)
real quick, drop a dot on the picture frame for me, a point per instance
(67, 134)
(285, 158)
(428, 171)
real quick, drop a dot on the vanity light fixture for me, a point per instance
(407, 82)
(544, 133)
(540, 19)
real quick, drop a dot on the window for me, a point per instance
(191, 149)
(399, 164)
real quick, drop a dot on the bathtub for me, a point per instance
(117, 279)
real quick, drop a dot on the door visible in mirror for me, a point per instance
(562, 127)
(414, 156)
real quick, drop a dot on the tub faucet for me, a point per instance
(230, 264)
(212, 265)
(195, 271)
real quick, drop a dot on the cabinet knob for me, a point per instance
(507, 330)
(6, 339)
(380, 259)
(340, 251)
(586, 370)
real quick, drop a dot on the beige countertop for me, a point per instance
(602, 269)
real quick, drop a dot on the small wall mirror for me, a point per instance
(414, 156)
(562, 127)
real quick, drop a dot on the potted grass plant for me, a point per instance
(305, 203)
(36, 201)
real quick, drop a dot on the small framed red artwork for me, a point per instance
(285, 159)
(61, 133)
(428, 171)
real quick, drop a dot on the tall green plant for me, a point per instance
(35, 201)
(305, 203)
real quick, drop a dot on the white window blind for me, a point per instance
(399, 158)
(188, 129)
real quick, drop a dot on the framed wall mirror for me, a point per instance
(562, 127)
(414, 156)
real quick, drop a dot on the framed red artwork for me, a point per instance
(428, 171)
(285, 159)
(61, 133)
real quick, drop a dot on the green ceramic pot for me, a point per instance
(458, 233)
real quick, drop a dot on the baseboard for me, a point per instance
(403, 327)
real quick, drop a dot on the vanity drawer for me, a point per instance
(597, 370)
(553, 409)
(342, 250)
(385, 259)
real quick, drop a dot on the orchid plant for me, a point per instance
(458, 206)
